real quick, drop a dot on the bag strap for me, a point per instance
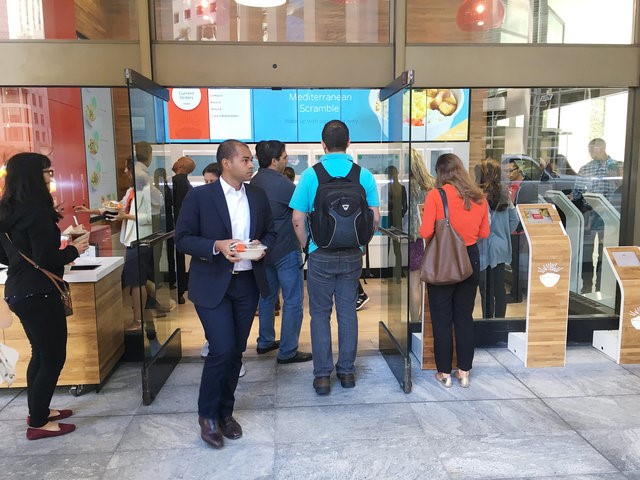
(51, 276)
(444, 203)
(354, 173)
(324, 177)
(321, 173)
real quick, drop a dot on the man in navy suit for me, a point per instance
(224, 288)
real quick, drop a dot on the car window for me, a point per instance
(528, 168)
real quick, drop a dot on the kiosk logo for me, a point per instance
(549, 275)
(635, 318)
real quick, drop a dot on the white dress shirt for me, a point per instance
(238, 206)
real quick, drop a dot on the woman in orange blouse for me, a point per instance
(452, 305)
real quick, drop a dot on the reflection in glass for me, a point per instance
(296, 21)
(75, 20)
(526, 21)
(562, 146)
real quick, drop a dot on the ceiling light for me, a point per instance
(261, 3)
(477, 15)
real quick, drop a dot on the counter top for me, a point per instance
(106, 265)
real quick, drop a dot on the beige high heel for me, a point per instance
(464, 380)
(444, 381)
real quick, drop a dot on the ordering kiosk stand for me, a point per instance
(623, 345)
(544, 342)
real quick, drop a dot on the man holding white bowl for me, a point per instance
(226, 278)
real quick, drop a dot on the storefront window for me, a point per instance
(326, 21)
(68, 19)
(520, 21)
(559, 146)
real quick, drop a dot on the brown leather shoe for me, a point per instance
(322, 385)
(347, 380)
(230, 428)
(210, 432)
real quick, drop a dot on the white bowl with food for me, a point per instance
(249, 251)
(111, 209)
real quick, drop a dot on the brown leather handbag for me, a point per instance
(64, 290)
(445, 260)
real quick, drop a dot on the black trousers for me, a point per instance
(45, 324)
(493, 292)
(226, 328)
(451, 308)
(182, 274)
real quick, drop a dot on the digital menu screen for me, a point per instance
(315, 108)
(437, 115)
(298, 115)
(275, 115)
(230, 114)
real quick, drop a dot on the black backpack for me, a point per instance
(341, 216)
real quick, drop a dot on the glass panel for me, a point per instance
(563, 146)
(149, 256)
(68, 19)
(335, 21)
(520, 21)
(391, 169)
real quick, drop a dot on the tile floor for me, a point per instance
(577, 422)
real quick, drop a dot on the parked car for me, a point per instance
(544, 179)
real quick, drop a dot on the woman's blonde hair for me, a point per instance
(450, 169)
(420, 177)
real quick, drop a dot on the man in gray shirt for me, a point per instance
(283, 260)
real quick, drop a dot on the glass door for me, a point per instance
(392, 176)
(150, 253)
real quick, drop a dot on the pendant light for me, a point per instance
(261, 3)
(478, 15)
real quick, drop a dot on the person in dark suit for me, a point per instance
(224, 288)
(181, 186)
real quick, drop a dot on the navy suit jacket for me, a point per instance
(204, 219)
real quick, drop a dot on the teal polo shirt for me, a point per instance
(337, 165)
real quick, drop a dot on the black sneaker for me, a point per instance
(274, 346)
(299, 357)
(363, 298)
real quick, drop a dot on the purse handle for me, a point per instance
(52, 276)
(444, 203)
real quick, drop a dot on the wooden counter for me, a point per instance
(96, 330)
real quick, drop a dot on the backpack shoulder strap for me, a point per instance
(321, 173)
(354, 173)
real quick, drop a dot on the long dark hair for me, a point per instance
(450, 169)
(266, 151)
(25, 184)
(489, 177)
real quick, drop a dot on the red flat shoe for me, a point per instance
(62, 414)
(38, 433)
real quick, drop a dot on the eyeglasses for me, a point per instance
(511, 170)
(48, 170)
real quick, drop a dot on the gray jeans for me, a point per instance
(334, 274)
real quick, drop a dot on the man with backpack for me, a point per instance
(338, 201)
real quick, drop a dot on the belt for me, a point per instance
(238, 272)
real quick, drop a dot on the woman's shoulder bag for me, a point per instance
(65, 291)
(445, 260)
